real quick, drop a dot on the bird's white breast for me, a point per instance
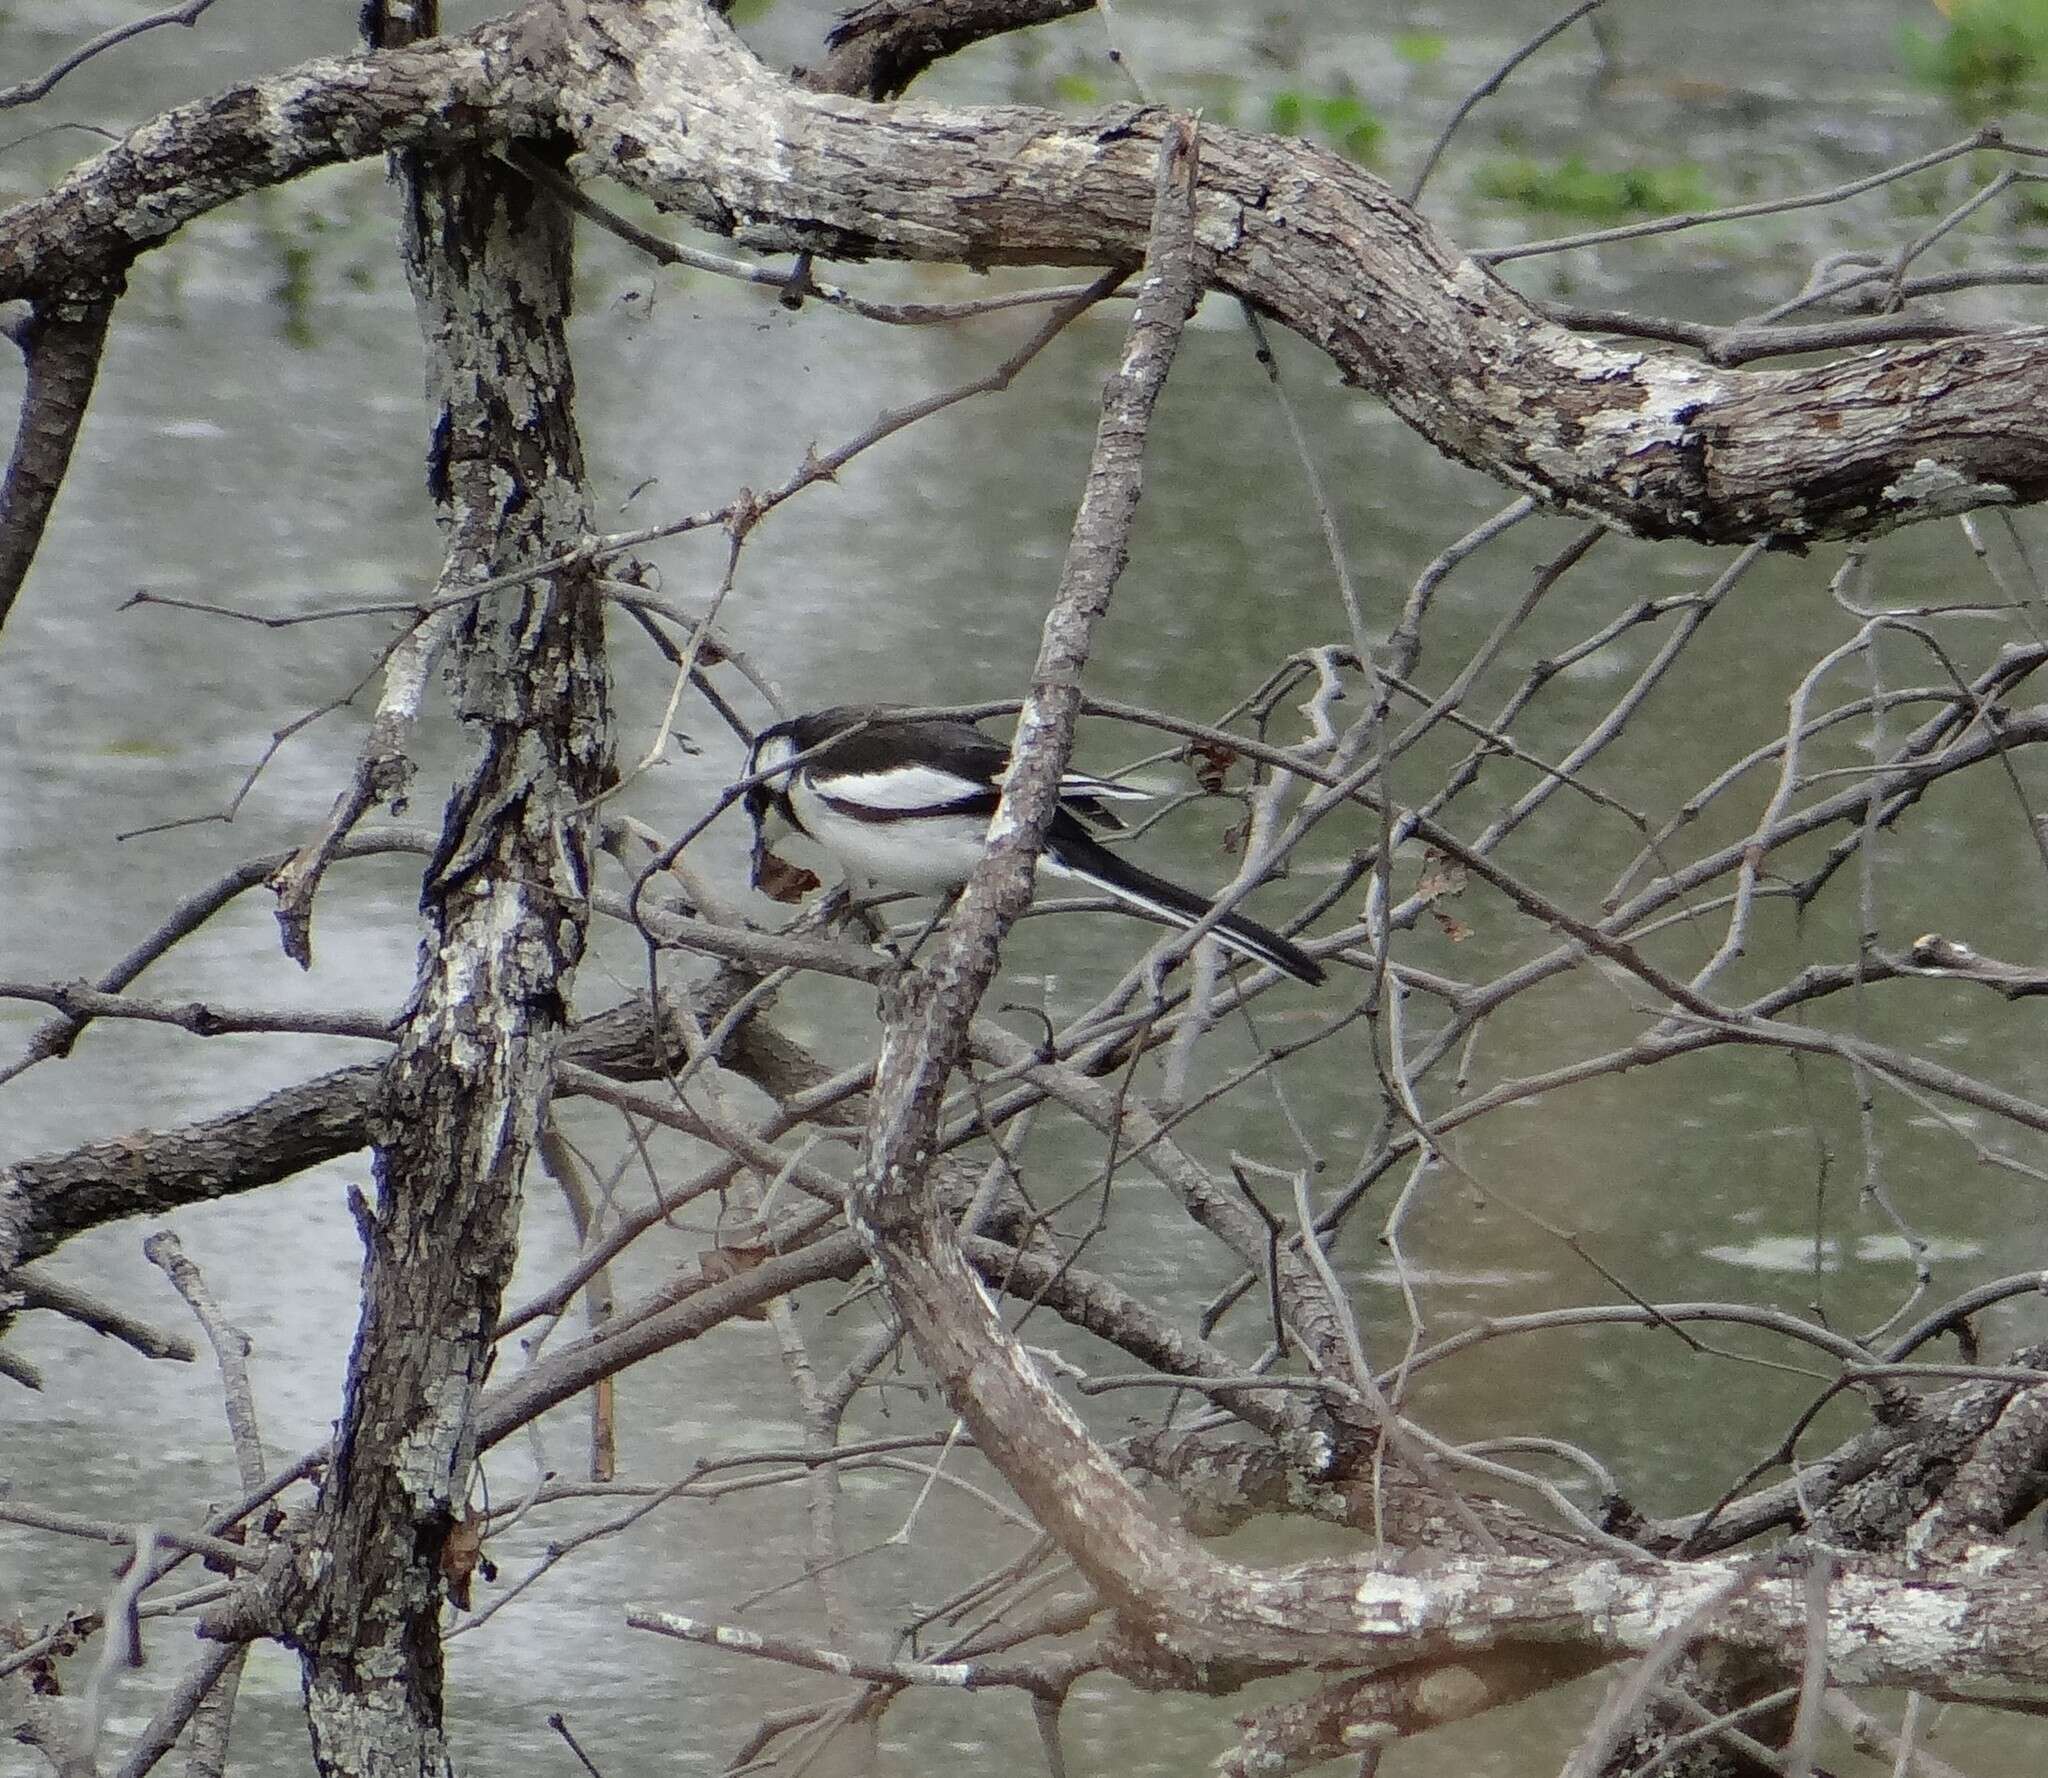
(923, 855)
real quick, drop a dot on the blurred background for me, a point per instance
(257, 441)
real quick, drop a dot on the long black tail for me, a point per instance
(1071, 852)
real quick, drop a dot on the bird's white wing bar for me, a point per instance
(920, 787)
(1080, 784)
(900, 787)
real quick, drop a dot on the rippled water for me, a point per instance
(261, 448)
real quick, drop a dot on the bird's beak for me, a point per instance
(757, 813)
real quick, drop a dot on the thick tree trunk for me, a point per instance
(506, 900)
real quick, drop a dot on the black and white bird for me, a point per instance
(904, 805)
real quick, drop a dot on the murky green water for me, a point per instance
(256, 441)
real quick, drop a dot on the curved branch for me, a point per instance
(26, 92)
(1653, 443)
(47, 1199)
(666, 99)
(62, 342)
(447, 92)
(878, 49)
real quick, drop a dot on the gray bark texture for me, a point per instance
(506, 899)
(666, 99)
(662, 97)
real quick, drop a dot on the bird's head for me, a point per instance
(767, 799)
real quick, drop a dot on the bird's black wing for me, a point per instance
(1072, 851)
(872, 744)
(868, 756)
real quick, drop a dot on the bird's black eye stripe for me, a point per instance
(808, 738)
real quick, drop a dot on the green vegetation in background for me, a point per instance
(315, 238)
(1215, 96)
(1343, 120)
(287, 234)
(1987, 54)
(1340, 120)
(293, 291)
(1572, 188)
(2028, 210)
(1420, 48)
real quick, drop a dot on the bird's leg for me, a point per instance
(930, 926)
(845, 907)
(837, 907)
(905, 955)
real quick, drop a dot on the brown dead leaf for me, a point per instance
(1442, 878)
(1441, 875)
(461, 1550)
(785, 882)
(1212, 762)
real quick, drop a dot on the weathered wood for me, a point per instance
(507, 905)
(666, 99)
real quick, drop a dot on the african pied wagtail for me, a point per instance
(904, 805)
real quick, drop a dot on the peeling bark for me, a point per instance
(506, 899)
(666, 99)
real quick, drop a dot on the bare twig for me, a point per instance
(1491, 85)
(1989, 137)
(25, 92)
(36, 1289)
